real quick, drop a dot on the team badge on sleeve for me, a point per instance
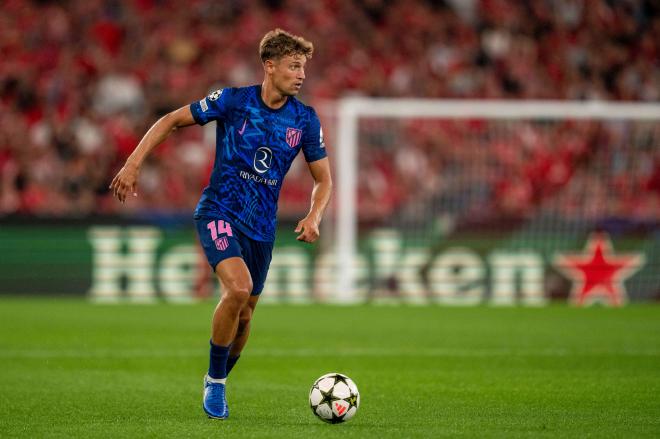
(215, 95)
(293, 136)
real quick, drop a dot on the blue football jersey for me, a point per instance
(255, 146)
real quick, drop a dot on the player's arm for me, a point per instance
(126, 179)
(308, 227)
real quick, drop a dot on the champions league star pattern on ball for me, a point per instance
(334, 398)
(255, 146)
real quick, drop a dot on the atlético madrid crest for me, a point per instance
(221, 243)
(293, 136)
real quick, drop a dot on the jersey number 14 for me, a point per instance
(221, 229)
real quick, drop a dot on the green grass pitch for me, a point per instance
(69, 368)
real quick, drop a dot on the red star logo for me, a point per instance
(598, 273)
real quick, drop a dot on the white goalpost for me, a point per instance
(351, 111)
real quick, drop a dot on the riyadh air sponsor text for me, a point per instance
(245, 175)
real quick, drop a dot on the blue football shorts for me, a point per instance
(221, 241)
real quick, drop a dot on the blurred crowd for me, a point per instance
(82, 80)
(509, 170)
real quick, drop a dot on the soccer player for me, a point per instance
(260, 130)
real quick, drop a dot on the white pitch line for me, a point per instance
(302, 353)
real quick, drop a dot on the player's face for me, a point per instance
(289, 74)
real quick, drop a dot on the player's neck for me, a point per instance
(271, 97)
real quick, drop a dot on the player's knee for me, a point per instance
(245, 316)
(239, 292)
(243, 325)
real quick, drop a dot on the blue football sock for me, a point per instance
(218, 362)
(231, 361)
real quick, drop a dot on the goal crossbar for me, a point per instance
(496, 109)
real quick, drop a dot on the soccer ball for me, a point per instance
(334, 398)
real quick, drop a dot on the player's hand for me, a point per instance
(125, 182)
(308, 229)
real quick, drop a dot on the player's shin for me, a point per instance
(242, 334)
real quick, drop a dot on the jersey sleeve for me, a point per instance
(313, 146)
(215, 106)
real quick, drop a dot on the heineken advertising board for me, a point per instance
(146, 263)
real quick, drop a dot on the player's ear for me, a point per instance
(269, 66)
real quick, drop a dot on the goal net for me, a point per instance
(497, 201)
